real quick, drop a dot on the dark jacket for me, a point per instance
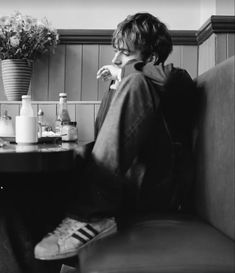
(141, 128)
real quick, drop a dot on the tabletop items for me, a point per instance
(30, 128)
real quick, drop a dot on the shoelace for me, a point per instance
(66, 227)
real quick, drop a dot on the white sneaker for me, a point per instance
(70, 236)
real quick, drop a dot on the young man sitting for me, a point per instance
(144, 116)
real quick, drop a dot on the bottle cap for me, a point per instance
(62, 94)
(26, 97)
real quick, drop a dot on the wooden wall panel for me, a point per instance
(85, 122)
(73, 69)
(206, 55)
(57, 73)
(230, 45)
(210, 57)
(224, 46)
(201, 55)
(175, 56)
(40, 80)
(73, 72)
(89, 70)
(189, 58)
(221, 48)
(106, 54)
(217, 48)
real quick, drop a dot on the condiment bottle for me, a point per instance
(26, 123)
(62, 113)
(26, 107)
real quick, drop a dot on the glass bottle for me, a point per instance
(42, 125)
(26, 107)
(26, 125)
(62, 113)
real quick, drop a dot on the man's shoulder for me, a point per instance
(133, 82)
(135, 77)
(131, 68)
(179, 72)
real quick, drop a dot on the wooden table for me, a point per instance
(37, 158)
(33, 197)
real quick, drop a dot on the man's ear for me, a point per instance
(152, 59)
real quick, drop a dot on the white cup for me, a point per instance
(26, 130)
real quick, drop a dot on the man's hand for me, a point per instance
(109, 72)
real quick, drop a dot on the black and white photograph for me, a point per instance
(117, 136)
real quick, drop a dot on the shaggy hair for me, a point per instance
(146, 33)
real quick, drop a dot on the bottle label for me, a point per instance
(69, 132)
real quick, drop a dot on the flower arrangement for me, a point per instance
(25, 37)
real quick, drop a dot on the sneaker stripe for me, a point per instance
(91, 228)
(88, 235)
(89, 231)
(79, 238)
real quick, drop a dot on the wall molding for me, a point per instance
(215, 24)
(85, 36)
(104, 36)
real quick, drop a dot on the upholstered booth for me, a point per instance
(202, 242)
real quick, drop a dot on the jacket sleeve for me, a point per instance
(126, 126)
(103, 109)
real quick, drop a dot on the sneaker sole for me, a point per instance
(73, 253)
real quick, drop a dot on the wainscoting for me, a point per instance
(73, 67)
(216, 41)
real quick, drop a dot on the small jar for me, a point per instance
(69, 131)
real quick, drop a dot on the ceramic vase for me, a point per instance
(16, 76)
